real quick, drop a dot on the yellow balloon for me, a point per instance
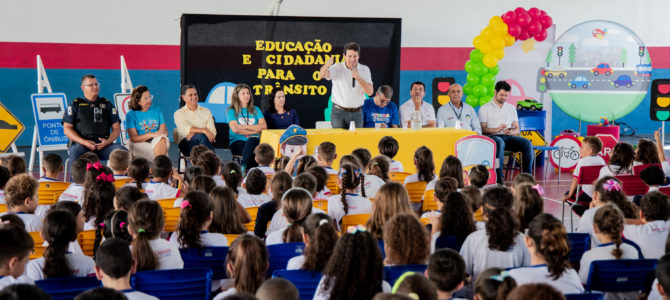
(500, 28)
(509, 40)
(486, 48)
(488, 33)
(478, 41)
(499, 54)
(497, 42)
(490, 61)
(496, 20)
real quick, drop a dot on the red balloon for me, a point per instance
(519, 10)
(543, 13)
(534, 12)
(523, 36)
(509, 17)
(523, 19)
(541, 36)
(514, 29)
(534, 27)
(546, 21)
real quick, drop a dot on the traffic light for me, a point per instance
(641, 51)
(559, 51)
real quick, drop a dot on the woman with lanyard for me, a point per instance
(246, 122)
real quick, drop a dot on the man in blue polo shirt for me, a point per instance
(380, 109)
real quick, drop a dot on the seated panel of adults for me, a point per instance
(88, 120)
(458, 112)
(145, 125)
(380, 109)
(246, 122)
(195, 124)
(279, 115)
(416, 104)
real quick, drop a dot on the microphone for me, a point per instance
(353, 82)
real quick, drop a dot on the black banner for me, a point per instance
(269, 51)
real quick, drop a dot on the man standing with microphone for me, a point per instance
(351, 83)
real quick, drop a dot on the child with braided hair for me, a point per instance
(320, 237)
(349, 202)
(547, 243)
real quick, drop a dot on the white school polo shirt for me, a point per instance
(568, 283)
(427, 112)
(493, 115)
(80, 264)
(479, 257)
(650, 237)
(167, 253)
(344, 93)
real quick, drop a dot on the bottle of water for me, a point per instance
(416, 120)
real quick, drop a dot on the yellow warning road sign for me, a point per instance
(10, 128)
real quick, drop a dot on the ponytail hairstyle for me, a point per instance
(391, 199)
(646, 152)
(609, 221)
(59, 229)
(232, 175)
(196, 212)
(379, 166)
(305, 163)
(622, 157)
(146, 223)
(281, 162)
(99, 194)
(456, 218)
(296, 205)
(226, 220)
(247, 262)
(406, 241)
(528, 203)
(425, 167)
(551, 242)
(610, 190)
(494, 284)
(452, 167)
(116, 226)
(74, 208)
(351, 178)
(321, 231)
(350, 159)
(501, 228)
(139, 171)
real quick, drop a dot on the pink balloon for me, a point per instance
(541, 36)
(509, 17)
(514, 29)
(523, 36)
(534, 27)
(523, 19)
(519, 10)
(534, 12)
(543, 13)
(546, 21)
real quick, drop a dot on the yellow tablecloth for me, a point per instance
(439, 140)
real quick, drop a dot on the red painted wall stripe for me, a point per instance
(166, 57)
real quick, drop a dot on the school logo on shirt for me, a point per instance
(467, 116)
(148, 125)
(381, 118)
(244, 121)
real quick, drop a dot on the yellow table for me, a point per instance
(439, 140)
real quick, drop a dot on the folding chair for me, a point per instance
(119, 183)
(633, 185)
(579, 243)
(639, 250)
(448, 241)
(620, 275)
(86, 240)
(171, 218)
(178, 284)
(586, 296)
(321, 204)
(331, 183)
(305, 281)
(67, 287)
(253, 212)
(38, 241)
(392, 273)
(478, 215)
(213, 258)
(49, 191)
(280, 254)
(637, 169)
(3, 208)
(231, 238)
(398, 177)
(167, 203)
(353, 220)
(587, 175)
(429, 202)
(424, 221)
(538, 124)
(511, 162)
(415, 191)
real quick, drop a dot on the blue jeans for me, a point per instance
(516, 144)
(197, 139)
(76, 150)
(341, 118)
(246, 149)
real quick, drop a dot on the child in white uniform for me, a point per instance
(548, 247)
(247, 256)
(446, 270)
(349, 203)
(119, 160)
(296, 205)
(21, 197)
(52, 166)
(621, 161)
(146, 222)
(114, 265)
(425, 168)
(255, 186)
(456, 221)
(75, 192)
(158, 188)
(320, 237)
(651, 236)
(591, 146)
(388, 146)
(16, 246)
(325, 155)
(377, 174)
(139, 172)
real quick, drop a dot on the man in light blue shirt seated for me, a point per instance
(380, 109)
(457, 113)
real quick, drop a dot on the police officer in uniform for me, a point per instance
(88, 120)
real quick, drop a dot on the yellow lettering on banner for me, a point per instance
(288, 60)
(268, 89)
(270, 59)
(259, 46)
(316, 75)
(304, 89)
(262, 73)
(246, 59)
(257, 89)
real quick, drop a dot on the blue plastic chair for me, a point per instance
(392, 273)
(178, 284)
(586, 296)
(67, 287)
(639, 250)
(280, 254)
(620, 275)
(448, 241)
(213, 258)
(305, 281)
(579, 243)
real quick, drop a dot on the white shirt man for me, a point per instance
(458, 114)
(416, 103)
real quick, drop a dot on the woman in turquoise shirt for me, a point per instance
(246, 122)
(145, 126)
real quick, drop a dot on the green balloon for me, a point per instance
(470, 66)
(476, 55)
(467, 88)
(488, 79)
(484, 100)
(472, 78)
(481, 69)
(479, 90)
(491, 91)
(494, 71)
(472, 101)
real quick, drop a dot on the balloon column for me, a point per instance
(502, 31)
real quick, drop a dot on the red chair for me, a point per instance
(639, 168)
(665, 190)
(587, 175)
(633, 185)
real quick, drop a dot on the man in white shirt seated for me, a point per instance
(416, 104)
(500, 122)
(457, 113)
